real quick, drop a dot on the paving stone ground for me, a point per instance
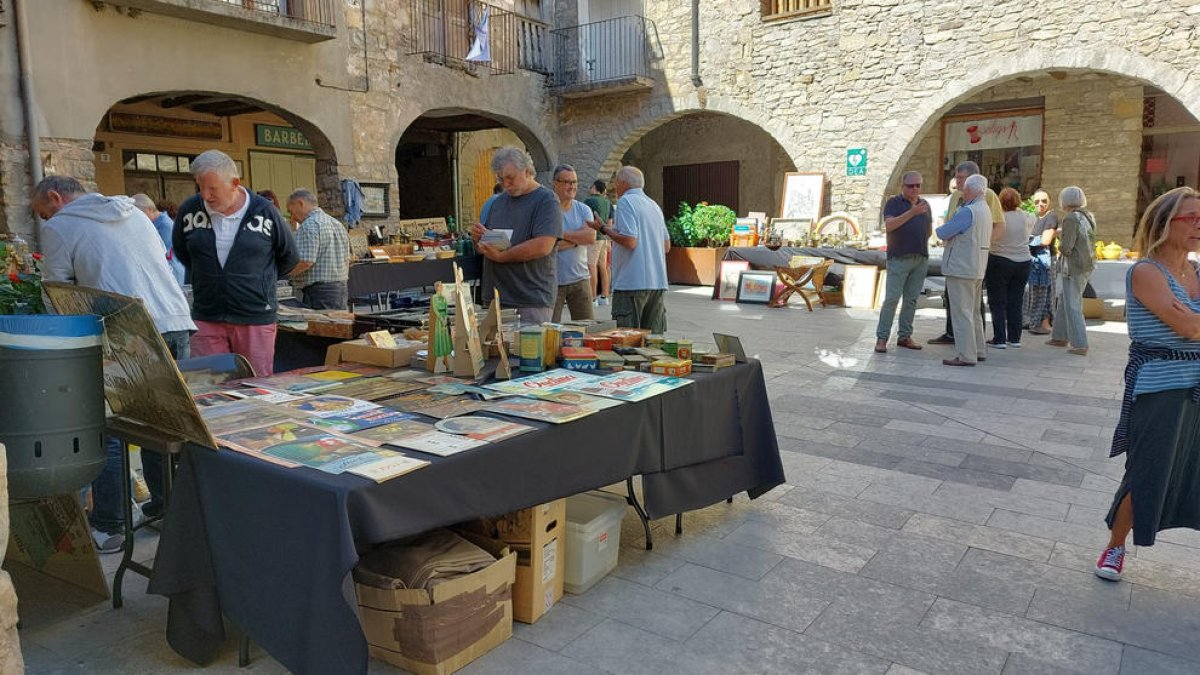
(934, 520)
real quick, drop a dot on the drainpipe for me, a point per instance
(25, 80)
(696, 81)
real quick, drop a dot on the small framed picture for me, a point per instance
(756, 287)
(727, 281)
(375, 200)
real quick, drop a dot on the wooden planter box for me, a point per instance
(694, 266)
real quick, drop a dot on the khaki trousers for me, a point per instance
(970, 344)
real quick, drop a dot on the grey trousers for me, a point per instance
(970, 344)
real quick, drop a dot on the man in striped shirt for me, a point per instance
(324, 250)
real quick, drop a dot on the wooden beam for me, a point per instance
(186, 99)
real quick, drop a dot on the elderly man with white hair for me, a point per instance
(639, 254)
(967, 234)
(525, 272)
(236, 246)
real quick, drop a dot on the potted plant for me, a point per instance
(20, 279)
(699, 238)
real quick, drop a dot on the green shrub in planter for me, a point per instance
(700, 226)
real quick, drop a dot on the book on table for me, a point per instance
(542, 411)
(483, 428)
(298, 444)
(577, 398)
(558, 379)
(245, 414)
(438, 443)
(328, 405)
(389, 433)
(632, 386)
(363, 419)
(267, 395)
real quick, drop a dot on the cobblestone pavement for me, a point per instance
(938, 520)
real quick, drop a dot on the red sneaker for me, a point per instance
(1110, 563)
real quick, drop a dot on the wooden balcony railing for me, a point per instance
(786, 9)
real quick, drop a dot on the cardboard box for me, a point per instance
(671, 367)
(439, 632)
(358, 351)
(538, 536)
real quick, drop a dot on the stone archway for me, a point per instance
(237, 116)
(924, 114)
(625, 135)
(442, 159)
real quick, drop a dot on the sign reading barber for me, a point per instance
(272, 136)
(856, 162)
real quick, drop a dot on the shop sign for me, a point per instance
(272, 136)
(994, 133)
(856, 162)
(153, 125)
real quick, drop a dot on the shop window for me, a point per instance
(161, 176)
(1006, 146)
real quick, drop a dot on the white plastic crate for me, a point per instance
(593, 538)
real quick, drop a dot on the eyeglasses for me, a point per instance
(567, 182)
(1190, 220)
(912, 185)
(1041, 201)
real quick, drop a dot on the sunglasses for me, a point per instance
(912, 185)
(1190, 220)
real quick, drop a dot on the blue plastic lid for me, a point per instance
(50, 331)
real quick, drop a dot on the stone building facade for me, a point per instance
(873, 74)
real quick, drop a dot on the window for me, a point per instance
(161, 176)
(787, 9)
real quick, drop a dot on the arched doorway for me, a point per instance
(146, 143)
(713, 157)
(1123, 128)
(443, 162)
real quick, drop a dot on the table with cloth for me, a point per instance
(372, 278)
(272, 547)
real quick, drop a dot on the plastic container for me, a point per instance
(51, 402)
(593, 538)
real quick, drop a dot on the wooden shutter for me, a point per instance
(712, 182)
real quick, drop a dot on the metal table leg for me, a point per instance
(637, 507)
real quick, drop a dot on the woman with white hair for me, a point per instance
(1077, 239)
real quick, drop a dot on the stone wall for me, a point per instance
(707, 137)
(880, 74)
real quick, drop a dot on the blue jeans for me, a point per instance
(108, 514)
(325, 295)
(905, 278)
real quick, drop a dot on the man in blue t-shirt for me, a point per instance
(639, 263)
(909, 225)
(574, 277)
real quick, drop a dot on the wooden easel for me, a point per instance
(491, 334)
(468, 353)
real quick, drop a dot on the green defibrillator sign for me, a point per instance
(856, 162)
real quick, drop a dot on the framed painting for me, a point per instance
(727, 279)
(791, 231)
(803, 196)
(375, 200)
(756, 287)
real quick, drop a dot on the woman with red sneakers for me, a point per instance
(1159, 429)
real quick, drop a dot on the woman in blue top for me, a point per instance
(1159, 429)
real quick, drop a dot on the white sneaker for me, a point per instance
(602, 301)
(107, 543)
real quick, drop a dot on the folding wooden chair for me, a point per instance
(805, 280)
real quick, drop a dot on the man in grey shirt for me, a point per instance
(525, 272)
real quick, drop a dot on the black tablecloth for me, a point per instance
(763, 258)
(272, 548)
(369, 278)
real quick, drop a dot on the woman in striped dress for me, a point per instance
(1159, 429)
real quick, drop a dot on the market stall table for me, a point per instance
(371, 278)
(763, 258)
(272, 548)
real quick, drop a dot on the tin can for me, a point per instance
(683, 350)
(532, 346)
